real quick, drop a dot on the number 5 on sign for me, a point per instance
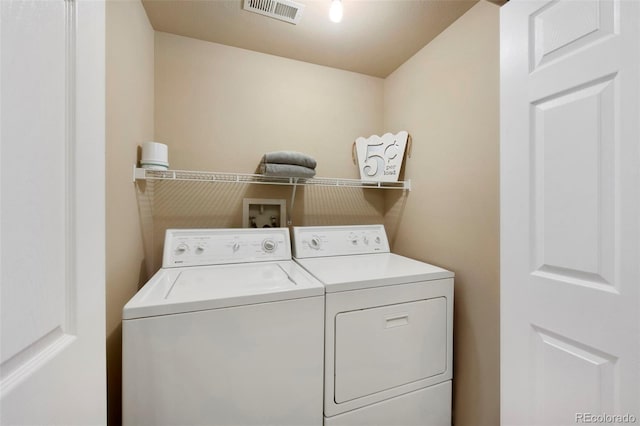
(380, 157)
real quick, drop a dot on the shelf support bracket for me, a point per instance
(293, 200)
(138, 173)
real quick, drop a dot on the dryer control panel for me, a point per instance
(199, 247)
(323, 241)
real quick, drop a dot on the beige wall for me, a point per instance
(220, 108)
(446, 96)
(129, 123)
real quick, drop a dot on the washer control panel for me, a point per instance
(199, 247)
(322, 241)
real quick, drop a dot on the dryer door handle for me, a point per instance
(397, 320)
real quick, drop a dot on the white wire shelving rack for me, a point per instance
(196, 176)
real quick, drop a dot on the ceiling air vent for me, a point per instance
(283, 10)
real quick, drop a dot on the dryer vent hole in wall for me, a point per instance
(282, 10)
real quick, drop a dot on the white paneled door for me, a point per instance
(52, 334)
(570, 212)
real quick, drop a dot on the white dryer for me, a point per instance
(228, 332)
(388, 328)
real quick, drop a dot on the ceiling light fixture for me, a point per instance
(335, 12)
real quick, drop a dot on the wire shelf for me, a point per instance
(194, 176)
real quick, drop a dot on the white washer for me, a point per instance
(388, 328)
(228, 332)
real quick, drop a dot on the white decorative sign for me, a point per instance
(380, 157)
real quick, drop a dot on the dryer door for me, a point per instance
(387, 346)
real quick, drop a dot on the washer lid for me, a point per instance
(179, 290)
(340, 273)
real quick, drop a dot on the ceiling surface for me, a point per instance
(375, 36)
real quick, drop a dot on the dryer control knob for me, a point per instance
(200, 248)
(269, 245)
(315, 243)
(182, 248)
(353, 238)
(235, 247)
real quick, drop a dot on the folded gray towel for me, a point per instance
(289, 157)
(286, 170)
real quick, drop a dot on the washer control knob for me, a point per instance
(182, 248)
(269, 245)
(235, 247)
(378, 240)
(365, 240)
(315, 243)
(200, 248)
